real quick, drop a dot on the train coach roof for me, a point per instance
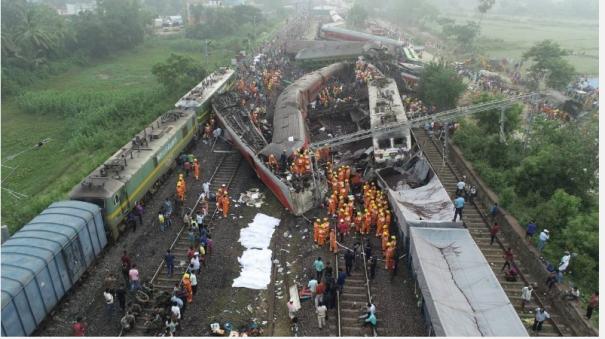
(462, 295)
(336, 49)
(35, 245)
(108, 178)
(289, 128)
(202, 92)
(337, 29)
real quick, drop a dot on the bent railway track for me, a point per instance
(477, 222)
(224, 173)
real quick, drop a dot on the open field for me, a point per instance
(504, 36)
(80, 142)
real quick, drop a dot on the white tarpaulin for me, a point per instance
(462, 295)
(256, 259)
(256, 269)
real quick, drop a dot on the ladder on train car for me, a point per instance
(443, 116)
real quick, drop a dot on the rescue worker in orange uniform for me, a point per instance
(387, 217)
(389, 263)
(358, 221)
(332, 205)
(322, 235)
(183, 183)
(188, 288)
(380, 224)
(333, 247)
(316, 227)
(367, 222)
(385, 240)
(196, 169)
(226, 204)
(180, 193)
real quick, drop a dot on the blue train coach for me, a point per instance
(44, 259)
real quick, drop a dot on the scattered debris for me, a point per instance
(252, 198)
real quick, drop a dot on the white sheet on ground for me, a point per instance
(256, 259)
(256, 269)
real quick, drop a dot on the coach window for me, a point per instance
(116, 199)
(384, 143)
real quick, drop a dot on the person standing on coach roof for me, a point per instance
(459, 206)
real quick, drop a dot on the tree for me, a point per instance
(485, 5)
(357, 16)
(31, 33)
(440, 86)
(489, 121)
(465, 34)
(124, 21)
(178, 73)
(547, 57)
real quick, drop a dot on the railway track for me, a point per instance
(224, 173)
(477, 222)
(353, 300)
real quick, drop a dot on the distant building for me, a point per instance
(76, 8)
(208, 3)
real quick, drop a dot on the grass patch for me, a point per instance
(507, 36)
(88, 112)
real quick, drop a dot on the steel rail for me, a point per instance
(487, 223)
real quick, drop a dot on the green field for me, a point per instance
(505, 36)
(48, 173)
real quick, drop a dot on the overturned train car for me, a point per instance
(290, 133)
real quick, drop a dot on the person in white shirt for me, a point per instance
(460, 187)
(193, 279)
(526, 296)
(176, 311)
(321, 311)
(542, 239)
(199, 219)
(196, 262)
(564, 263)
(541, 316)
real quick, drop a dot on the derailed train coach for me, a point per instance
(460, 295)
(44, 260)
(290, 133)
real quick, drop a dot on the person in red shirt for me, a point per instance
(494, 231)
(592, 304)
(79, 327)
(508, 258)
